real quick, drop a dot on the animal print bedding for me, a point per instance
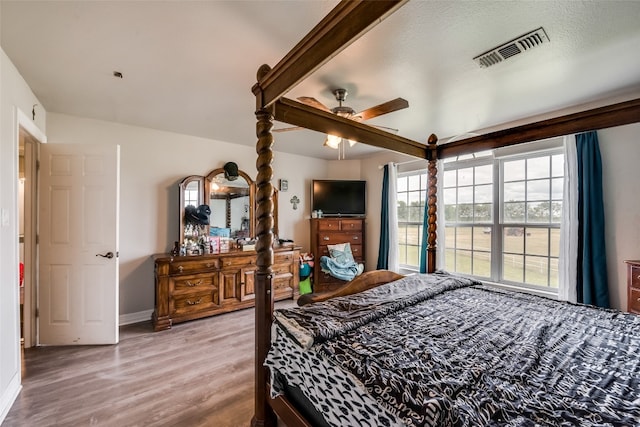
(440, 350)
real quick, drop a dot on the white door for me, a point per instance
(78, 274)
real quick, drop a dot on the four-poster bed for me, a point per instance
(346, 22)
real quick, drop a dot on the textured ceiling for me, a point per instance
(188, 66)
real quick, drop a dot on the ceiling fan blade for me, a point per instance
(390, 130)
(378, 110)
(287, 129)
(312, 102)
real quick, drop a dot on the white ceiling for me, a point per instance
(189, 66)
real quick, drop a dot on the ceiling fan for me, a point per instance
(341, 110)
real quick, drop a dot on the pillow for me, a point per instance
(341, 253)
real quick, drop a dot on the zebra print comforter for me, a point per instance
(441, 350)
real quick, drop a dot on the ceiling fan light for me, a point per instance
(332, 141)
(352, 142)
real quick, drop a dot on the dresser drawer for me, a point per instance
(634, 276)
(194, 282)
(351, 224)
(284, 258)
(356, 250)
(329, 225)
(191, 266)
(196, 301)
(634, 300)
(238, 261)
(330, 238)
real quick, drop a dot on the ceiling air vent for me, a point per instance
(514, 47)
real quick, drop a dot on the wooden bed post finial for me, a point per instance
(432, 202)
(263, 415)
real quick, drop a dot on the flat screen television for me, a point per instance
(339, 197)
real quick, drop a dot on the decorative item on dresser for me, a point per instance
(192, 287)
(633, 286)
(332, 231)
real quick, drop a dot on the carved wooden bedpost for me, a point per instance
(263, 415)
(432, 200)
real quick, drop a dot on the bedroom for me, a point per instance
(151, 197)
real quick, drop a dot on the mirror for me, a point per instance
(231, 202)
(231, 205)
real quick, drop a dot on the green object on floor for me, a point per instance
(305, 286)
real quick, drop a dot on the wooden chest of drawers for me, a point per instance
(192, 287)
(332, 231)
(633, 286)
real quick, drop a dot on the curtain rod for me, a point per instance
(404, 163)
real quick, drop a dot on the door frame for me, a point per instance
(26, 128)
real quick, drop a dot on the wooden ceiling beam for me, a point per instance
(343, 25)
(299, 114)
(623, 113)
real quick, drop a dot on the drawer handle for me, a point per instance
(180, 268)
(325, 238)
(198, 301)
(355, 237)
(638, 277)
(209, 265)
(194, 284)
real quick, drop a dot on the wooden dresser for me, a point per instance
(633, 286)
(192, 287)
(331, 231)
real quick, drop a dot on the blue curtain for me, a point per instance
(425, 234)
(383, 249)
(592, 262)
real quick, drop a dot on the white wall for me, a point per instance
(620, 150)
(152, 164)
(14, 95)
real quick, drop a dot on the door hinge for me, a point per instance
(37, 165)
(37, 239)
(37, 312)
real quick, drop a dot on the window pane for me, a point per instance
(465, 213)
(463, 237)
(465, 194)
(512, 267)
(557, 165)
(482, 264)
(414, 198)
(414, 182)
(482, 238)
(484, 193)
(413, 234)
(513, 240)
(557, 188)
(402, 254)
(513, 212)
(538, 212)
(415, 213)
(554, 249)
(554, 273)
(413, 255)
(538, 189)
(513, 170)
(463, 262)
(402, 184)
(538, 167)
(403, 212)
(449, 196)
(402, 234)
(449, 237)
(537, 241)
(482, 212)
(484, 174)
(556, 212)
(449, 179)
(514, 191)
(536, 270)
(450, 260)
(450, 212)
(465, 176)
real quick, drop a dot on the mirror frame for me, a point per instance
(204, 183)
(252, 195)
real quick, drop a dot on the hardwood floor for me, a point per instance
(198, 373)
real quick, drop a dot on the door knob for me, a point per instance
(108, 255)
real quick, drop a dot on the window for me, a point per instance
(411, 190)
(501, 211)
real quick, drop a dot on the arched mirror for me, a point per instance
(231, 199)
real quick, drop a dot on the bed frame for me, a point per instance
(343, 25)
